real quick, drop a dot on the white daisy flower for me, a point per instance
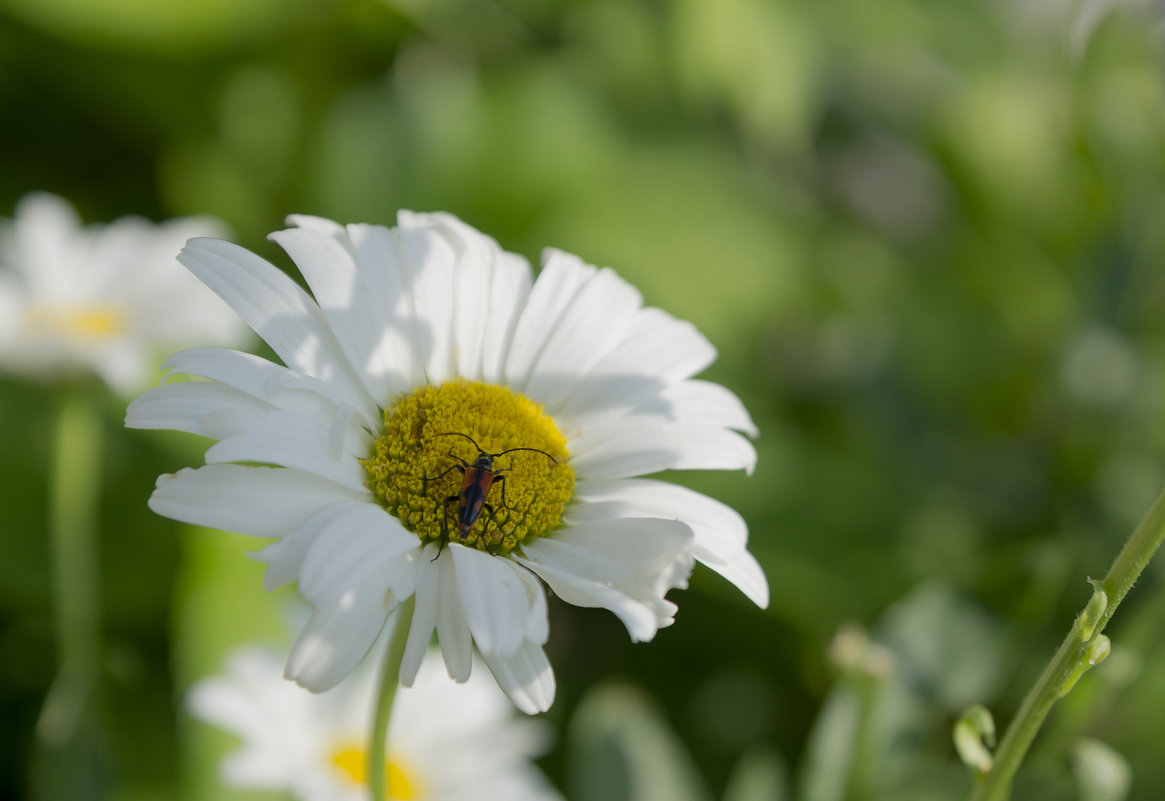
(425, 349)
(100, 298)
(313, 746)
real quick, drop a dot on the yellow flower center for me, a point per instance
(446, 446)
(85, 322)
(352, 761)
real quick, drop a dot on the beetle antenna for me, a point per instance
(511, 450)
(459, 434)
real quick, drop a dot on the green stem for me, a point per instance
(389, 680)
(1083, 647)
(73, 494)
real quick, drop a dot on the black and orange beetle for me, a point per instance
(478, 478)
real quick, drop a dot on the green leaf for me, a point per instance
(758, 776)
(621, 749)
(169, 28)
(829, 756)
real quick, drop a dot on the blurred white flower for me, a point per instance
(422, 344)
(446, 741)
(105, 299)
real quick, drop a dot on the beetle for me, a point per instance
(478, 477)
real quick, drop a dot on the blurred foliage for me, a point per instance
(924, 236)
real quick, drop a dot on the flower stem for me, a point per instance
(389, 680)
(1084, 647)
(73, 494)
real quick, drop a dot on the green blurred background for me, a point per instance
(926, 237)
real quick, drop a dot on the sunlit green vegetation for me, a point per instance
(926, 239)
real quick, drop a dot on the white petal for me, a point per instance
(595, 322)
(284, 558)
(743, 570)
(537, 628)
(205, 408)
(337, 636)
(452, 627)
(559, 281)
(44, 233)
(123, 364)
(424, 614)
(494, 598)
(246, 372)
(277, 309)
(220, 702)
(328, 442)
(475, 255)
(642, 616)
(719, 533)
(635, 445)
(354, 586)
(657, 351)
(508, 292)
(250, 768)
(273, 383)
(703, 402)
(624, 565)
(258, 501)
(714, 525)
(252, 701)
(430, 262)
(12, 305)
(434, 710)
(349, 541)
(526, 677)
(401, 345)
(357, 299)
(292, 440)
(313, 222)
(638, 549)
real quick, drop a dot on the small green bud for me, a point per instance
(974, 735)
(1093, 611)
(1098, 649)
(1095, 652)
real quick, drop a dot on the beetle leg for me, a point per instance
(444, 524)
(425, 481)
(445, 515)
(485, 527)
(502, 480)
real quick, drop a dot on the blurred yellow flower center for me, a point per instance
(427, 453)
(353, 763)
(84, 322)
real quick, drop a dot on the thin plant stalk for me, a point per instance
(1084, 647)
(73, 494)
(389, 681)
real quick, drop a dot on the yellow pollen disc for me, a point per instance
(92, 322)
(419, 464)
(353, 763)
